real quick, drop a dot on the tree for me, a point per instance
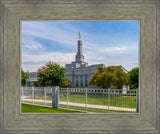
(133, 78)
(109, 77)
(36, 84)
(24, 76)
(66, 84)
(51, 74)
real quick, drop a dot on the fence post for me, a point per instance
(86, 99)
(67, 97)
(108, 98)
(32, 95)
(137, 100)
(55, 96)
(44, 95)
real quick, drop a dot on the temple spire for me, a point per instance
(79, 56)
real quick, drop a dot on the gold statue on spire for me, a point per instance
(79, 35)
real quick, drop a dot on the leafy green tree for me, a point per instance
(51, 74)
(36, 84)
(109, 77)
(133, 78)
(66, 84)
(24, 76)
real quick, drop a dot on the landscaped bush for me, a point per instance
(30, 97)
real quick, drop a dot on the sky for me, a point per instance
(104, 42)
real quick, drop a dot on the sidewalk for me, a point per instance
(88, 105)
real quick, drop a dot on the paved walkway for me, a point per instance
(88, 105)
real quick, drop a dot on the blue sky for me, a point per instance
(104, 42)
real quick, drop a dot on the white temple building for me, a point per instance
(78, 72)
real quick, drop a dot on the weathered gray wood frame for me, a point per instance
(146, 12)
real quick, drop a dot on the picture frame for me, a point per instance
(146, 12)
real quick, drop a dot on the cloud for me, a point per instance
(115, 55)
(33, 45)
(49, 32)
(97, 48)
(115, 49)
(33, 62)
(31, 67)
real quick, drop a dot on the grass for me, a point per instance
(114, 100)
(26, 108)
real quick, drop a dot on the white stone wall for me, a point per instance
(81, 71)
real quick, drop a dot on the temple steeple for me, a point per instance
(79, 56)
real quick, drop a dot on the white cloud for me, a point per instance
(31, 67)
(33, 62)
(115, 49)
(95, 48)
(34, 45)
(53, 32)
(122, 55)
(29, 44)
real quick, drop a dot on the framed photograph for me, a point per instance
(94, 71)
(78, 37)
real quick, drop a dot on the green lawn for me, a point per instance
(118, 101)
(26, 108)
(114, 100)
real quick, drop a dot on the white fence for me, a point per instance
(89, 100)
